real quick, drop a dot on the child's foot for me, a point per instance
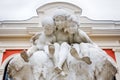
(24, 55)
(51, 49)
(87, 60)
(74, 53)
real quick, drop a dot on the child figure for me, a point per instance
(78, 36)
(67, 32)
(39, 40)
(60, 19)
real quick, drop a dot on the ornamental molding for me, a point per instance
(55, 5)
(29, 31)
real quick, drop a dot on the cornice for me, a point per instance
(57, 5)
(33, 30)
(21, 32)
(14, 47)
(105, 32)
(13, 32)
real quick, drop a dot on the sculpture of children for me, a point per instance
(67, 31)
(60, 19)
(46, 37)
(73, 29)
(62, 37)
(78, 36)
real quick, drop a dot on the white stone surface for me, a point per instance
(16, 34)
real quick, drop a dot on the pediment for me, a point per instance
(49, 8)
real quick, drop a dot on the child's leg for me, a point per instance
(80, 52)
(64, 50)
(31, 50)
(24, 55)
(74, 51)
(85, 53)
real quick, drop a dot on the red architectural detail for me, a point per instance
(110, 52)
(7, 53)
